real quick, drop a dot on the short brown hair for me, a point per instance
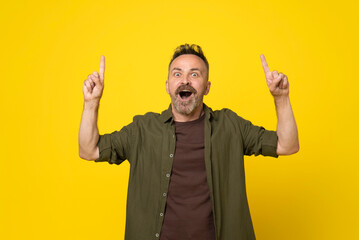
(189, 49)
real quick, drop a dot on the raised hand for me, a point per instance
(277, 82)
(94, 84)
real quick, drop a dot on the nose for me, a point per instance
(186, 80)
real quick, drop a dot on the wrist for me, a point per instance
(91, 105)
(281, 100)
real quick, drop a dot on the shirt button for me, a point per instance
(164, 194)
(171, 155)
(157, 235)
(167, 175)
(161, 214)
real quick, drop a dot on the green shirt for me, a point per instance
(148, 143)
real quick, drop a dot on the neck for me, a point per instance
(195, 114)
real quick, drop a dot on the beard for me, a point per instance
(186, 107)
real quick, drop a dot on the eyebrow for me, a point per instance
(176, 69)
(180, 69)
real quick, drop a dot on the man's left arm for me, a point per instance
(287, 132)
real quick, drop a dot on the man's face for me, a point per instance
(187, 83)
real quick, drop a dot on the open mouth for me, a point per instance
(185, 94)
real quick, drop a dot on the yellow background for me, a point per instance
(49, 47)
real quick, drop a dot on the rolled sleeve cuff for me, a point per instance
(269, 144)
(107, 154)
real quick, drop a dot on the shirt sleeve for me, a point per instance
(257, 140)
(114, 147)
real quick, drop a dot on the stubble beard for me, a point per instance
(186, 107)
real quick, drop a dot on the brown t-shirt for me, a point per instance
(188, 213)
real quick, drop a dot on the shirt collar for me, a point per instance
(166, 115)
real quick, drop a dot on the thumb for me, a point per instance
(95, 77)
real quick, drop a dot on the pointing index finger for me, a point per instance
(264, 64)
(102, 68)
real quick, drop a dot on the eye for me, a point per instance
(194, 74)
(177, 74)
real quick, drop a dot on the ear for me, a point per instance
(207, 88)
(168, 91)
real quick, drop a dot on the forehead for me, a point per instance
(188, 61)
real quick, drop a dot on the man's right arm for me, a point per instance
(88, 133)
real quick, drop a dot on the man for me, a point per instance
(186, 164)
